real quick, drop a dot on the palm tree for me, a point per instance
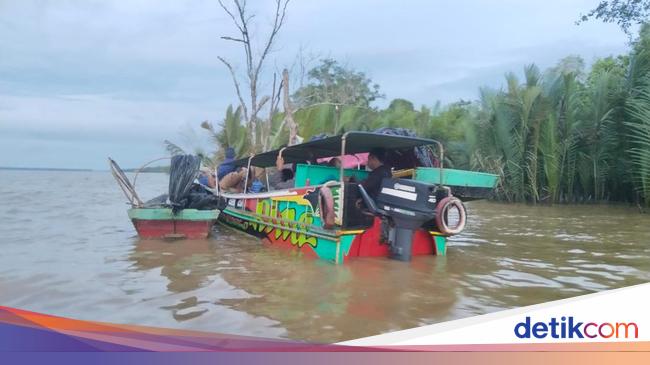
(232, 134)
(599, 134)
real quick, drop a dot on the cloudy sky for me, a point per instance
(83, 80)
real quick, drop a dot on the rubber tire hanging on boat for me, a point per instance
(441, 216)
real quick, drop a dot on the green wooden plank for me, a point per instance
(453, 177)
(318, 174)
(441, 245)
(166, 214)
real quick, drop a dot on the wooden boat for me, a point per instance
(321, 215)
(163, 223)
(156, 218)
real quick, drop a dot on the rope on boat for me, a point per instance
(135, 178)
(125, 184)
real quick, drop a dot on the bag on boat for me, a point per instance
(423, 155)
(183, 171)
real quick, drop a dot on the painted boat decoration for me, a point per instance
(326, 216)
(160, 217)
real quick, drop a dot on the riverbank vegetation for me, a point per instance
(570, 133)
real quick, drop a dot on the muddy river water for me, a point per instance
(67, 248)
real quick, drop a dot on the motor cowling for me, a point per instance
(410, 200)
(409, 205)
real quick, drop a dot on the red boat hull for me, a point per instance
(172, 228)
(369, 243)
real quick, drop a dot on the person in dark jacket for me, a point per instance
(376, 159)
(283, 177)
(226, 166)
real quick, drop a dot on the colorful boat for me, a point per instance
(156, 218)
(322, 215)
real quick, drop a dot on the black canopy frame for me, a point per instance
(349, 143)
(352, 142)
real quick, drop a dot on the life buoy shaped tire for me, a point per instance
(441, 216)
(326, 203)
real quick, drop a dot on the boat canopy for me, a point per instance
(355, 142)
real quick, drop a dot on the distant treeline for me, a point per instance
(150, 169)
(40, 169)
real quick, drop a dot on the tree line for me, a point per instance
(565, 134)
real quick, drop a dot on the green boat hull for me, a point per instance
(166, 214)
(162, 223)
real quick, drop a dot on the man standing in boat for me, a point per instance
(379, 171)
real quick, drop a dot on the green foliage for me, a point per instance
(550, 132)
(564, 135)
(334, 84)
(173, 149)
(232, 133)
(617, 66)
(624, 13)
(567, 136)
(637, 113)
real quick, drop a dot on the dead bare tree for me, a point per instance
(254, 62)
(288, 109)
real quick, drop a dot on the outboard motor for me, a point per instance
(408, 204)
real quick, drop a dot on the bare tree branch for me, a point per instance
(241, 9)
(233, 39)
(232, 16)
(254, 64)
(263, 101)
(277, 24)
(335, 105)
(234, 80)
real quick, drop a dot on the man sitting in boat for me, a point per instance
(334, 162)
(255, 184)
(283, 178)
(234, 181)
(379, 171)
(206, 178)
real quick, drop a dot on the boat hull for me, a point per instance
(292, 222)
(162, 223)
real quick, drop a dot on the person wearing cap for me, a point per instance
(379, 171)
(227, 166)
(283, 177)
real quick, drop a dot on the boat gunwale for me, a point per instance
(203, 215)
(308, 229)
(277, 193)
